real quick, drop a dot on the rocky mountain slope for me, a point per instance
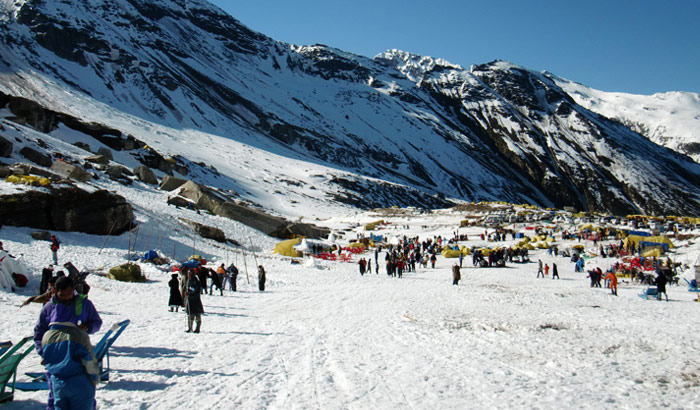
(398, 129)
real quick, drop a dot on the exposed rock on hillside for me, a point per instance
(68, 209)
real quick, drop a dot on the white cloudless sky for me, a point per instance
(639, 47)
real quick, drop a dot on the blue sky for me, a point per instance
(639, 47)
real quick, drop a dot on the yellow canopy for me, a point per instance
(635, 239)
(286, 248)
(655, 251)
(450, 253)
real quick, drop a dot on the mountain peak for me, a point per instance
(414, 66)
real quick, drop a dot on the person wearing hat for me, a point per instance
(66, 306)
(175, 300)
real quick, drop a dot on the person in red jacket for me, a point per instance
(613, 282)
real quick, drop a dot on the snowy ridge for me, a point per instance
(400, 129)
(670, 119)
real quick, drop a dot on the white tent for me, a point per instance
(8, 266)
(303, 247)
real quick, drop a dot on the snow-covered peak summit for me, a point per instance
(414, 66)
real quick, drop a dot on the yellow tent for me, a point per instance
(450, 253)
(655, 251)
(356, 245)
(286, 248)
(635, 239)
(373, 225)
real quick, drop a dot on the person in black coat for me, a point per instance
(261, 278)
(175, 300)
(661, 281)
(555, 271)
(215, 282)
(202, 276)
(233, 276)
(46, 274)
(194, 302)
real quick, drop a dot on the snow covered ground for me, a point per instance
(323, 337)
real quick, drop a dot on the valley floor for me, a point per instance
(324, 337)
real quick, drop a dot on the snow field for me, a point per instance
(325, 337)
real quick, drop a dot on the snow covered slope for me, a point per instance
(399, 129)
(670, 119)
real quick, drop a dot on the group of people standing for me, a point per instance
(186, 290)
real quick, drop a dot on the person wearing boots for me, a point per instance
(194, 302)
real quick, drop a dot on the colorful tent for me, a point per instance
(286, 248)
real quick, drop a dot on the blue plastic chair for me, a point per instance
(101, 351)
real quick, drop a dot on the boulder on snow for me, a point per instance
(5, 147)
(41, 235)
(97, 159)
(214, 202)
(68, 209)
(145, 174)
(70, 171)
(128, 272)
(36, 156)
(169, 183)
(105, 152)
(206, 231)
(83, 145)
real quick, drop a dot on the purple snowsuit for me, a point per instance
(80, 310)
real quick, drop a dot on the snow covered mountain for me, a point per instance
(313, 123)
(670, 119)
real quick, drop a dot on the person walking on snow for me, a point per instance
(539, 269)
(546, 269)
(661, 286)
(175, 300)
(555, 271)
(194, 306)
(261, 278)
(456, 275)
(233, 276)
(613, 282)
(221, 271)
(55, 245)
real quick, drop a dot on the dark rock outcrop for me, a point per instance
(5, 147)
(68, 209)
(206, 231)
(145, 174)
(36, 156)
